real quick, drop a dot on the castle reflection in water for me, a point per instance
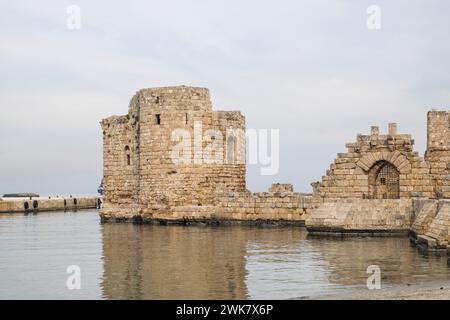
(238, 262)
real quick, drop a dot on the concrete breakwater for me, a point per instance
(31, 204)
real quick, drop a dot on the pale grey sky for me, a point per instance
(310, 68)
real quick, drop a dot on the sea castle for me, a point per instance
(155, 170)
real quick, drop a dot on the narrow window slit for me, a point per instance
(128, 155)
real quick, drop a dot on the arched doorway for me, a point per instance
(384, 181)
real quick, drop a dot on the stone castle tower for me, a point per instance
(172, 158)
(140, 175)
(438, 151)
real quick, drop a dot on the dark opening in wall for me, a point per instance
(158, 119)
(127, 155)
(186, 118)
(384, 181)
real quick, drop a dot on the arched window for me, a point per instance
(231, 150)
(127, 155)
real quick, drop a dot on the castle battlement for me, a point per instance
(172, 99)
(390, 141)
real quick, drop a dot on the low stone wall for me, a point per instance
(267, 205)
(8, 205)
(426, 220)
(289, 207)
(362, 215)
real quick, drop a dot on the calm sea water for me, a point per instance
(125, 261)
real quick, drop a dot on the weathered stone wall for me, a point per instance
(267, 205)
(281, 187)
(426, 220)
(149, 175)
(120, 180)
(438, 151)
(425, 212)
(150, 182)
(285, 206)
(351, 173)
(439, 227)
(164, 184)
(350, 188)
(362, 215)
(431, 227)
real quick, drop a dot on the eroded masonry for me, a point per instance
(379, 184)
(143, 181)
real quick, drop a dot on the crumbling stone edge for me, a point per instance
(138, 219)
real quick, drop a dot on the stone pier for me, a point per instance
(30, 204)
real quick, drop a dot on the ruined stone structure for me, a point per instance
(385, 166)
(378, 166)
(438, 152)
(161, 161)
(382, 185)
(172, 158)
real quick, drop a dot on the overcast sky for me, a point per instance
(309, 68)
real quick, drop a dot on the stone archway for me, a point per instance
(384, 181)
(396, 158)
